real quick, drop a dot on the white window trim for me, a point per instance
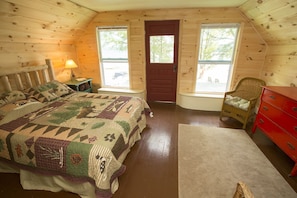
(231, 62)
(117, 60)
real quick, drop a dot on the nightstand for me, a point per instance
(80, 84)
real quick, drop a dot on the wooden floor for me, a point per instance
(152, 163)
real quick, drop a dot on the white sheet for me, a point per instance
(34, 181)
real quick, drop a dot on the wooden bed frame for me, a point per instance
(19, 78)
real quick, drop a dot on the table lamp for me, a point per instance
(70, 64)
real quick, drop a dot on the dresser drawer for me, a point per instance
(265, 125)
(284, 140)
(282, 119)
(271, 112)
(288, 145)
(289, 123)
(290, 106)
(273, 98)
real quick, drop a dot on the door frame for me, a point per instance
(175, 25)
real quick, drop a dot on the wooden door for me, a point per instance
(161, 43)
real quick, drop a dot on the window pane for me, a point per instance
(216, 52)
(161, 49)
(113, 48)
(116, 74)
(212, 77)
(113, 44)
(217, 43)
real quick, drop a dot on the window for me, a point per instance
(113, 49)
(215, 60)
(161, 49)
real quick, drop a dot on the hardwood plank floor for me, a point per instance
(152, 163)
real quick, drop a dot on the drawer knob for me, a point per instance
(295, 128)
(261, 121)
(291, 146)
(272, 97)
(265, 108)
(294, 109)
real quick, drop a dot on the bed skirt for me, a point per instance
(36, 181)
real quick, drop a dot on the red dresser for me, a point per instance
(277, 118)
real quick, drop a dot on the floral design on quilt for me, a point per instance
(76, 158)
(92, 139)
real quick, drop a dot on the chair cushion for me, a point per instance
(237, 102)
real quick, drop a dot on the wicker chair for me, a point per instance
(240, 103)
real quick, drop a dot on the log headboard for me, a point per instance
(20, 78)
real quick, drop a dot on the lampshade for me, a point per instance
(70, 64)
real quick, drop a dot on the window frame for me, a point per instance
(213, 62)
(113, 60)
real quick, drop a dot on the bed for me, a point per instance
(58, 139)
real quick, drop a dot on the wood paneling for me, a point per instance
(251, 49)
(276, 20)
(32, 31)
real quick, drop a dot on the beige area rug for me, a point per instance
(212, 160)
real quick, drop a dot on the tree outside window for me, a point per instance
(113, 49)
(216, 54)
(162, 49)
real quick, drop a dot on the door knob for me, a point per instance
(174, 67)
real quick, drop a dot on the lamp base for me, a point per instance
(72, 76)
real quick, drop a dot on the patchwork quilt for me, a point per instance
(82, 135)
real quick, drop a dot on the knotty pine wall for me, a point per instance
(251, 50)
(276, 21)
(32, 31)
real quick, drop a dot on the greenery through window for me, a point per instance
(216, 54)
(113, 49)
(161, 49)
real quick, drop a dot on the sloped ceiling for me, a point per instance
(112, 5)
(45, 21)
(275, 20)
(49, 21)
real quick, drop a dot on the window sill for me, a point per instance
(126, 92)
(204, 95)
(204, 102)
